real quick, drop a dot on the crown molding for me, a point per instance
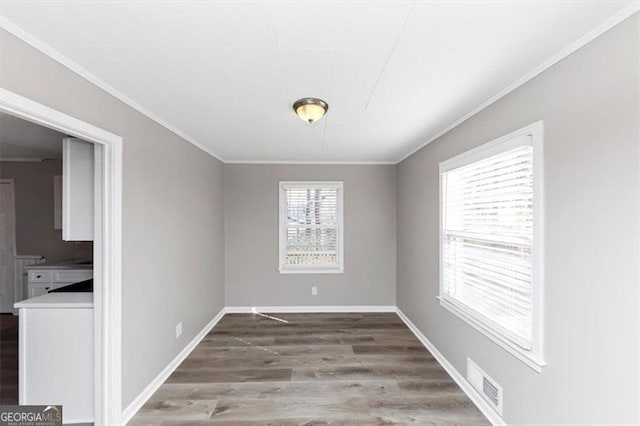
(52, 53)
(614, 20)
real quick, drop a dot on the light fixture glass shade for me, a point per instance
(310, 109)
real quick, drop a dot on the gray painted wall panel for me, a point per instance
(589, 104)
(251, 226)
(173, 237)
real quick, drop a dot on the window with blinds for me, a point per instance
(310, 226)
(488, 221)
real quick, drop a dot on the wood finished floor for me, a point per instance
(312, 369)
(8, 359)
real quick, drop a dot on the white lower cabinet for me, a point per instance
(56, 354)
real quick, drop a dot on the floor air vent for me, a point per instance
(485, 385)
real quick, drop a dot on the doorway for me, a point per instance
(107, 244)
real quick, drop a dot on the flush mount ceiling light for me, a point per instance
(310, 109)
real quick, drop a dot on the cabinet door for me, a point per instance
(77, 190)
(38, 291)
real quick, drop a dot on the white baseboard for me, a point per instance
(482, 405)
(307, 309)
(139, 401)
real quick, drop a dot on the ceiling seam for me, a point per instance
(393, 48)
(275, 37)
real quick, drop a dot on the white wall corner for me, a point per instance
(143, 397)
(466, 387)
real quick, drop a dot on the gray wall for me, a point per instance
(173, 237)
(35, 234)
(589, 104)
(251, 247)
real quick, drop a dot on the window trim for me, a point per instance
(530, 135)
(282, 243)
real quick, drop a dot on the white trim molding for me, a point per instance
(152, 387)
(107, 246)
(307, 309)
(466, 387)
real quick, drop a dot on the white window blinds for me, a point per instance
(487, 240)
(311, 226)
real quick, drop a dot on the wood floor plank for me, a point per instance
(425, 387)
(444, 409)
(275, 350)
(305, 360)
(230, 376)
(268, 409)
(271, 361)
(175, 409)
(291, 369)
(361, 372)
(386, 349)
(255, 390)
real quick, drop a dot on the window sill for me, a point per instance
(530, 359)
(311, 271)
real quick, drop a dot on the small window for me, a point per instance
(491, 240)
(311, 227)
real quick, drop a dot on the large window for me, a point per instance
(491, 259)
(311, 227)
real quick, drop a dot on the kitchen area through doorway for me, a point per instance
(47, 184)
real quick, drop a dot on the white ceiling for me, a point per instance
(395, 74)
(20, 139)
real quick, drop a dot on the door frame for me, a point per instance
(107, 246)
(12, 237)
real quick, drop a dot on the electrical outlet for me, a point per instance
(314, 291)
(178, 329)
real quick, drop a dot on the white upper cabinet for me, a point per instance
(77, 190)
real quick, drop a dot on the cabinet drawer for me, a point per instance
(39, 276)
(72, 276)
